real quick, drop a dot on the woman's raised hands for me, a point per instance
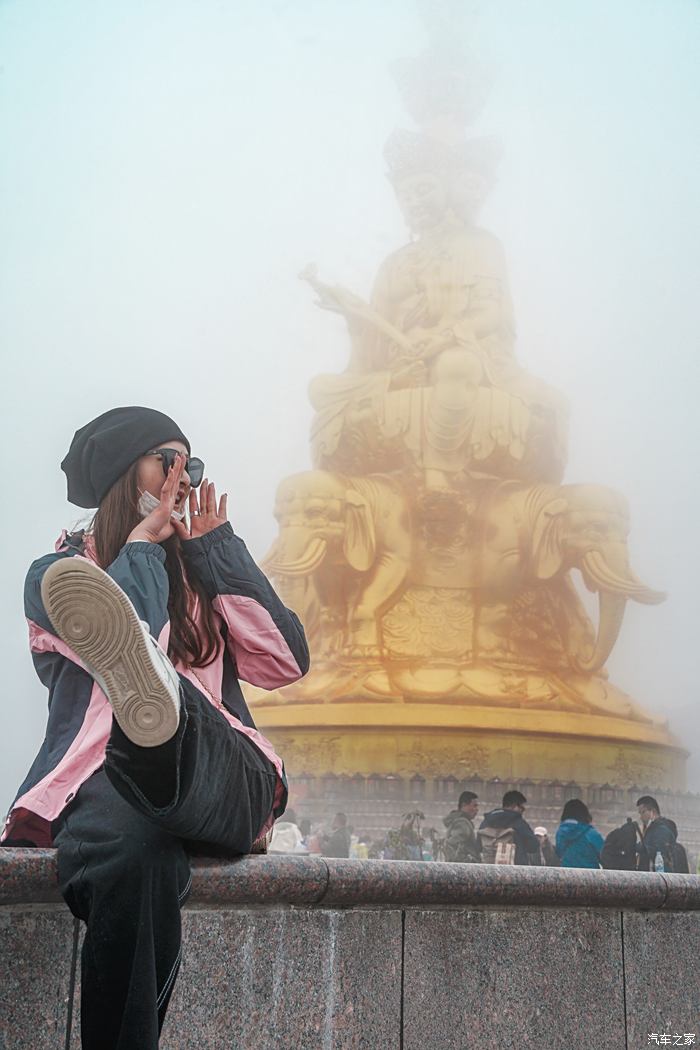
(205, 515)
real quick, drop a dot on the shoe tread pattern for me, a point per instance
(91, 613)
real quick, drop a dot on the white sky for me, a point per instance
(168, 166)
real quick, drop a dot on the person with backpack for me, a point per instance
(578, 843)
(462, 843)
(660, 836)
(506, 838)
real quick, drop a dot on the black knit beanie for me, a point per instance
(104, 449)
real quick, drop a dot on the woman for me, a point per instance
(147, 757)
(578, 842)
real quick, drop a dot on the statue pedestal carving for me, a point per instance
(437, 739)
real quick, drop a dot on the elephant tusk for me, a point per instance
(604, 578)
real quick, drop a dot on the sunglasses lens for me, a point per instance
(167, 457)
(195, 469)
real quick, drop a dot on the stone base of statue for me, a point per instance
(408, 738)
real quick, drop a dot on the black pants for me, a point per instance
(123, 866)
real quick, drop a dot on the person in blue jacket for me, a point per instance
(140, 627)
(578, 843)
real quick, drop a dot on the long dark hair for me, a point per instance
(114, 519)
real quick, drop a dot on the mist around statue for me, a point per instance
(431, 550)
(163, 249)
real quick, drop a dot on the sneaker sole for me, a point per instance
(91, 613)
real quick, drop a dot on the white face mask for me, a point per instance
(148, 502)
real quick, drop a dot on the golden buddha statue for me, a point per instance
(433, 380)
(430, 551)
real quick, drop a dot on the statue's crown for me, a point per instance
(442, 83)
(413, 152)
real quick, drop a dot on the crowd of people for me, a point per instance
(330, 840)
(505, 837)
(502, 837)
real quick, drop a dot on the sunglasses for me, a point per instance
(193, 466)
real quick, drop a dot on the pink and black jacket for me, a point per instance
(262, 643)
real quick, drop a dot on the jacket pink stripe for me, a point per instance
(261, 653)
(86, 753)
(42, 641)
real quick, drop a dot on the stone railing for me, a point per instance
(316, 954)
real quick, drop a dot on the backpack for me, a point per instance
(497, 845)
(619, 850)
(679, 859)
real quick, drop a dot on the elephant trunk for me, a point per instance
(612, 610)
(296, 555)
(614, 586)
(291, 561)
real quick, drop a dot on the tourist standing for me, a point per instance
(578, 842)
(548, 855)
(287, 836)
(462, 844)
(504, 833)
(337, 844)
(659, 843)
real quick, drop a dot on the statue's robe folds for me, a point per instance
(457, 400)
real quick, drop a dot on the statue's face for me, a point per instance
(422, 199)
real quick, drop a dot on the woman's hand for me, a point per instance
(205, 515)
(158, 525)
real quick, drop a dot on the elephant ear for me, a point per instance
(547, 550)
(359, 544)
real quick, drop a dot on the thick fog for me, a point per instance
(168, 167)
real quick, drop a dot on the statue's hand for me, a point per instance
(334, 297)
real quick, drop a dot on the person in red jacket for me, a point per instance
(140, 627)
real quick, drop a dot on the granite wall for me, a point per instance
(315, 954)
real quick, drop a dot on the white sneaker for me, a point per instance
(91, 613)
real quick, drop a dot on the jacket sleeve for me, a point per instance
(457, 838)
(528, 839)
(473, 844)
(265, 639)
(658, 839)
(463, 841)
(595, 839)
(140, 571)
(33, 604)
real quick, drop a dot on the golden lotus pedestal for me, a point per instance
(437, 740)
